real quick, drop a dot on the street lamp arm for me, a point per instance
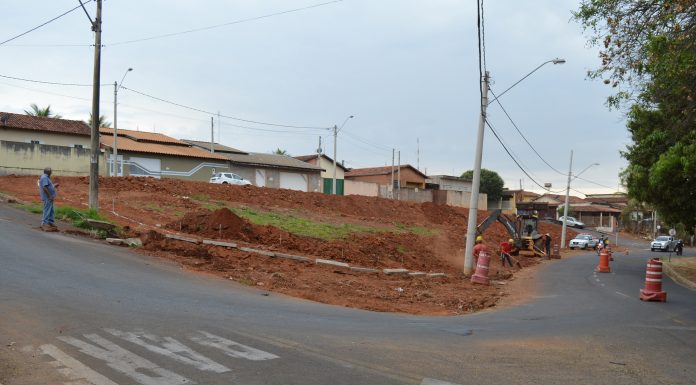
(554, 61)
(123, 78)
(585, 169)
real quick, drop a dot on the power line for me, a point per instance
(47, 82)
(224, 24)
(594, 183)
(366, 141)
(224, 116)
(512, 157)
(41, 25)
(522, 135)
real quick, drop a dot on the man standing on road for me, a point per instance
(47, 190)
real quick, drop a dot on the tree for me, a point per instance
(102, 121)
(278, 151)
(46, 112)
(491, 183)
(649, 48)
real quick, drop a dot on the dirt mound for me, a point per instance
(221, 223)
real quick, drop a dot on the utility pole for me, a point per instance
(335, 129)
(392, 175)
(212, 135)
(418, 154)
(219, 128)
(114, 163)
(398, 182)
(94, 156)
(565, 208)
(476, 182)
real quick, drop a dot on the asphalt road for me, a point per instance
(76, 311)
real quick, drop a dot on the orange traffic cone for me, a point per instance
(603, 262)
(653, 282)
(481, 274)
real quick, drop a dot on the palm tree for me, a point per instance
(278, 151)
(102, 121)
(44, 112)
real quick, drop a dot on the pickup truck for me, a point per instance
(572, 222)
(663, 243)
(583, 241)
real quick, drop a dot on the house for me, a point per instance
(157, 155)
(409, 176)
(449, 182)
(28, 144)
(269, 170)
(327, 175)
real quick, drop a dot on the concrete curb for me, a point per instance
(299, 258)
(678, 278)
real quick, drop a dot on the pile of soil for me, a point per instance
(144, 204)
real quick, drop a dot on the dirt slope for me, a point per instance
(423, 237)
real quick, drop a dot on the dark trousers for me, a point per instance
(505, 257)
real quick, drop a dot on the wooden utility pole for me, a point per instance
(94, 150)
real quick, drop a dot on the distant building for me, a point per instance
(410, 176)
(28, 144)
(449, 182)
(326, 164)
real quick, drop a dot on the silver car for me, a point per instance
(663, 243)
(229, 178)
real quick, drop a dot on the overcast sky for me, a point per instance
(406, 69)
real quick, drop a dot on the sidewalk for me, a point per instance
(682, 270)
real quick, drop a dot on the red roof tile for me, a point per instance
(28, 122)
(127, 144)
(379, 171)
(143, 136)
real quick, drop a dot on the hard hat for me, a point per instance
(511, 240)
(479, 239)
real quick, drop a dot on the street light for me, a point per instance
(335, 130)
(565, 208)
(554, 61)
(117, 86)
(476, 180)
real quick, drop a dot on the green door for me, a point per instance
(328, 186)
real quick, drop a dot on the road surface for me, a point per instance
(76, 311)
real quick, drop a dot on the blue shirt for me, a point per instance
(45, 181)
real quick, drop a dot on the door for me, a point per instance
(293, 181)
(145, 167)
(261, 178)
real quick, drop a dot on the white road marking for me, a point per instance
(625, 295)
(130, 364)
(231, 348)
(431, 381)
(171, 348)
(73, 369)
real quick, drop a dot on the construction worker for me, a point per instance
(505, 250)
(479, 247)
(547, 240)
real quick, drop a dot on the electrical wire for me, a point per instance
(221, 115)
(593, 182)
(223, 24)
(513, 158)
(367, 142)
(52, 83)
(522, 135)
(41, 25)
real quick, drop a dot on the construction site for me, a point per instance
(363, 252)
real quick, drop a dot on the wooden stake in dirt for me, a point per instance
(220, 230)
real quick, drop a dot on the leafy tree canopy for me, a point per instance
(648, 50)
(102, 121)
(278, 151)
(491, 183)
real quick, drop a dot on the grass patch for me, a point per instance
(200, 197)
(154, 207)
(418, 230)
(78, 217)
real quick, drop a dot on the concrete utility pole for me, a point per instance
(333, 188)
(94, 156)
(565, 207)
(212, 134)
(398, 182)
(476, 182)
(117, 86)
(392, 174)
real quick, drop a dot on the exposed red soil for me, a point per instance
(144, 204)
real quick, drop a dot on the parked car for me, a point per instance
(229, 178)
(583, 241)
(572, 222)
(663, 243)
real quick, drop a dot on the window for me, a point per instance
(77, 146)
(35, 141)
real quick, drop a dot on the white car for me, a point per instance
(584, 241)
(572, 222)
(229, 178)
(663, 243)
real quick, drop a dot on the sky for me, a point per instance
(407, 70)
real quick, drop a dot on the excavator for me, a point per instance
(523, 229)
